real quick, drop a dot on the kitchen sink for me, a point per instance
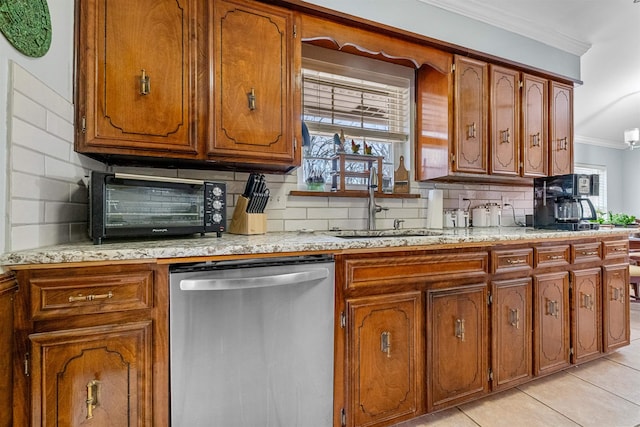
(370, 234)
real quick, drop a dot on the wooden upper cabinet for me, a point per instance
(471, 106)
(535, 112)
(136, 77)
(256, 93)
(561, 129)
(505, 121)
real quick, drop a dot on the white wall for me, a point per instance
(427, 20)
(612, 159)
(55, 69)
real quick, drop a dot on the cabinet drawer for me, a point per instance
(551, 256)
(504, 261)
(397, 269)
(90, 294)
(615, 249)
(584, 252)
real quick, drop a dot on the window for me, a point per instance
(368, 107)
(599, 201)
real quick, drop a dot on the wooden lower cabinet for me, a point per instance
(8, 288)
(586, 329)
(551, 322)
(384, 353)
(615, 306)
(457, 336)
(511, 332)
(95, 376)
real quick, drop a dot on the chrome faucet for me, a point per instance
(374, 208)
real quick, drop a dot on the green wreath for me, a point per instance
(27, 25)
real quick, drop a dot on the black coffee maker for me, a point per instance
(561, 202)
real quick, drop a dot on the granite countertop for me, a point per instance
(281, 242)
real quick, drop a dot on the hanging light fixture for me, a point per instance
(632, 137)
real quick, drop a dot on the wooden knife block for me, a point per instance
(247, 223)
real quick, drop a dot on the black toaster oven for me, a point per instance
(127, 205)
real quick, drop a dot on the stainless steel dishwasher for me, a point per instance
(251, 342)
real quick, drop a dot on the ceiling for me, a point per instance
(604, 33)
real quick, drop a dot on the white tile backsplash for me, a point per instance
(47, 200)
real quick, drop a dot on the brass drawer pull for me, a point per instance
(555, 257)
(81, 297)
(587, 301)
(587, 253)
(620, 249)
(516, 261)
(553, 309)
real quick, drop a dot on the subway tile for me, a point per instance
(27, 161)
(59, 127)
(295, 225)
(60, 212)
(38, 188)
(27, 212)
(29, 111)
(27, 135)
(326, 213)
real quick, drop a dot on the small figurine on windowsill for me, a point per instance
(367, 148)
(355, 148)
(338, 141)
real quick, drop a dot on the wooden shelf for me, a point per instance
(353, 193)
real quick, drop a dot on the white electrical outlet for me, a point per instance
(278, 201)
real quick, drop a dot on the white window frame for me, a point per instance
(599, 201)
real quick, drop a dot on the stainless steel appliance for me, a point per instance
(126, 205)
(251, 342)
(561, 202)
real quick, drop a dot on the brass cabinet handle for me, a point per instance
(471, 130)
(251, 96)
(555, 257)
(563, 144)
(516, 261)
(385, 343)
(620, 249)
(589, 253)
(552, 308)
(145, 84)
(618, 294)
(587, 301)
(81, 297)
(514, 315)
(92, 400)
(460, 329)
(535, 140)
(504, 136)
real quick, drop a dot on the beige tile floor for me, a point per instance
(602, 393)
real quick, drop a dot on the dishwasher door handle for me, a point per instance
(253, 282)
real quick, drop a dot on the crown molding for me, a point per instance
(618, 145)
(497, 17)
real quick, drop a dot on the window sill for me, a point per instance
(353, 193)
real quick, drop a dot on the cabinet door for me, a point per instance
(457, 366)
(535, 145)
(122, 43)
(99, 375)
(615, 306)
(505, 121)
(561, 129)
(586, 337)
(511, 309)
(471, 106)
(551, 327)
(383, 356)
(7, 290)
(257, 84)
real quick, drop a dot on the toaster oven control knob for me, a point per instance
(217, 191)
(217, 205)
(217, 218)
